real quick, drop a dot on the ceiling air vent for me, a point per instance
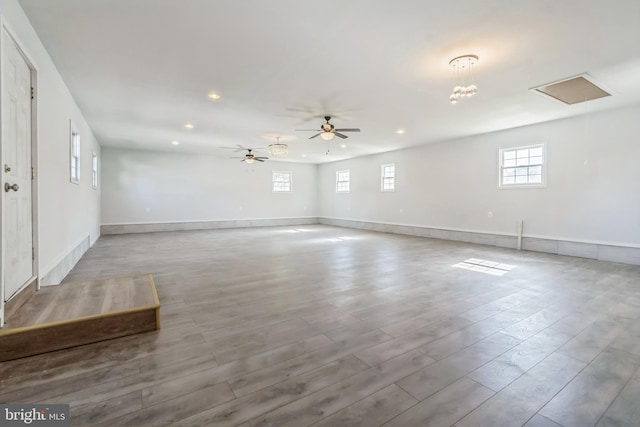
(572, 90)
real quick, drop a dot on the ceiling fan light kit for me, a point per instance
(463, 85)
(327, 131)
(249, 157)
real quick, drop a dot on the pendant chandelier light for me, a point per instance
(278, 149)
(463, 84)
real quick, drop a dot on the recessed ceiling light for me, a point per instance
(400, 131)
(213, 95)
(189, 125)
(343, 145)
(175, 142)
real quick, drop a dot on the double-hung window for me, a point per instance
(342, 181)
(388, 177)
(281, 182)
(74, 159)
(94, 170)
(522, 167)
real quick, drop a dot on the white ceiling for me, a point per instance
(140, 70)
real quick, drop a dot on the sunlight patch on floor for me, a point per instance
(484, 266)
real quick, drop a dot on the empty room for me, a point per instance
(336, 213)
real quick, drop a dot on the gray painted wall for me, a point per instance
(151, 186)
(67, 213)
(592, 193)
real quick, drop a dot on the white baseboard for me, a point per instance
(600, 251)
(60, 270)
(107, 229)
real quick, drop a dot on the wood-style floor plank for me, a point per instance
(519, 401)
(445, 407)
(625, 410)
(585, 399)
(294, 326)
(373, 410)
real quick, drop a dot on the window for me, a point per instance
(389, 177)
(282, 182)
(94, 170)
(522, 167)
(75, 155)
(342, 181)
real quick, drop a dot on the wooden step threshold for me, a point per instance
(22, 341)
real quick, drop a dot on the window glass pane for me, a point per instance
(533, 152)
(535, 179)
(508, 172)
(535, 160)
(522, 153)
(535, 170)
(509, 155)
(509, 163)
(522, 162)
(522, 171)
(509, 180)
(521, 179)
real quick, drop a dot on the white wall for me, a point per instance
(593, 191)
(68, 214)
(177, 187)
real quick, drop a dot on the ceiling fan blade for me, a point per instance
(349, 130)
(237, 148)
(263, 158)
(258, 159)
(317, 134)
(338, 134)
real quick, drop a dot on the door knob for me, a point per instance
(8, 187)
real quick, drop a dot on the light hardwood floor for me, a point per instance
(335, 327)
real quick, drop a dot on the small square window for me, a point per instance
(281, 182)
(342, 181)
(74, 153)
(388, 177)
(522, 167)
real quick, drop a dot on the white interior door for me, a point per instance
(16, 168)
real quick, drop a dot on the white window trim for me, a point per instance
(348, 171)
(545, 165)
(382, 178)
(73, 133)
(273, 190)
(94, 170)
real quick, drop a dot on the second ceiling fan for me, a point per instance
(328, 131)
(250, 157)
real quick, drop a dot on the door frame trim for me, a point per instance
(5, 26)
